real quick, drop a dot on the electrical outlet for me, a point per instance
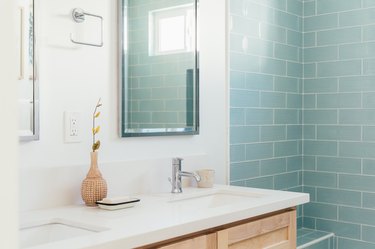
(72, 127)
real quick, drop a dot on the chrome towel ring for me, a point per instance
(79, 17)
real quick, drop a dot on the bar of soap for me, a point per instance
(114, 200)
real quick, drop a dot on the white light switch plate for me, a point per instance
(72, 129)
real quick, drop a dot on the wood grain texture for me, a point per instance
(275, 232)
(201, 242)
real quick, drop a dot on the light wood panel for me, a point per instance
(201, 242)
(275, 232)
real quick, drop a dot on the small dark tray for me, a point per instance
(120, 203)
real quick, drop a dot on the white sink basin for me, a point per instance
(54, 230)
(214, 200)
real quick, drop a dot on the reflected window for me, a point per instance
(171, 30)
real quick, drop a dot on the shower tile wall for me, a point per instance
(265, 93)
(327, 121)
(339, 119)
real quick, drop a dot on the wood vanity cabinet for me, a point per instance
(272, 231)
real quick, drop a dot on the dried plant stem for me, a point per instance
(93, 122)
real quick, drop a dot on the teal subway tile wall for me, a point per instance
(338, 119)
(266, 94)
(302, 108)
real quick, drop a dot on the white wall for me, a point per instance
(8, 127)
(73, 77)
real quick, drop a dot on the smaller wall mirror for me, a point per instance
(158, 67)
(28, 94)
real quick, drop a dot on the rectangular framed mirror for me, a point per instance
(28, 104)
(158, 68)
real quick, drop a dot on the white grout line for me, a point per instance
(316, 241)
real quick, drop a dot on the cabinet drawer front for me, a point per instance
(275, 232)
(277, 239)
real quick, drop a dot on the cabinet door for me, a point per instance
(200, 242)
(274, 232)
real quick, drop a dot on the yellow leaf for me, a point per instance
(96, 146)
(97, 115)
(96, 130)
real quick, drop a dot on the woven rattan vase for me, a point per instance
(94, 187)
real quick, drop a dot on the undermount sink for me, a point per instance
(216, 199)
(54, 230)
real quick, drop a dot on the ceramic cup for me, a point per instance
(207, 178)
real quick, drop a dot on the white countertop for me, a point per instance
(155, 219)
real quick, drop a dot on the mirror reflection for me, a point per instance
(158, 67)
(26, 78)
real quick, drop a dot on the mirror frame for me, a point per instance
(145, 132)
(35, 115)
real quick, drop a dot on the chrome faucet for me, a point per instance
(177, 173)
